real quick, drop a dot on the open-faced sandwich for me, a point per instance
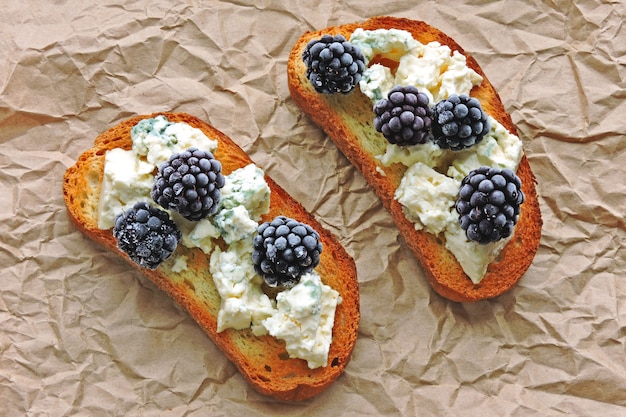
(423, 124)
(185, 205)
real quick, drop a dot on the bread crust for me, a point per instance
(348, 121)
(261, 360)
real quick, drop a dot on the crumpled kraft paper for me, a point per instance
(83, 334)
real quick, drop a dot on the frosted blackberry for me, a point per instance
(333, 64)
(489, 204)
(404, 116)
(284, 250)
(146, 234)
(459, 122)
(189, 183)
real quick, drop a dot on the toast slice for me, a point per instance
(348, 121)
(262, 360)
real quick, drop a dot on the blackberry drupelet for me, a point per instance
(189, 183)
(333, 64)
(284, 250)
(459, 122)
(146, 234)
(404, 117)
(489, 204)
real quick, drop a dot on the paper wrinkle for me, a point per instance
(82, 333)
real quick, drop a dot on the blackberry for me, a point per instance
(489, 204)
(189, 183)
(404, 116)
(459, 122)
(146, 234)
(284, 250)
(333, 64)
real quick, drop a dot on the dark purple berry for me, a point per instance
(404, 116)
(146, 234)
(333, 64)
(459, 122)
(284, 250)
(189, 183)
(489, 204)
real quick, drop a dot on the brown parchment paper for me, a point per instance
(83, 334)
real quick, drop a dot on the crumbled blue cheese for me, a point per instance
(376, 82)
(200, 234)
(235, 224)
(157, 139)
(391, 43)
(429, 188)
(473, 257)
(437, 71)
(428, 198)
(247, 187)
(243, 302)
(433, 68)
(126, 181)
(304, 319)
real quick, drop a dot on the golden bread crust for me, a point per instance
(261, 360)
(348, 121)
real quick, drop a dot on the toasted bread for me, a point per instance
(348, 121)
(263, 360)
